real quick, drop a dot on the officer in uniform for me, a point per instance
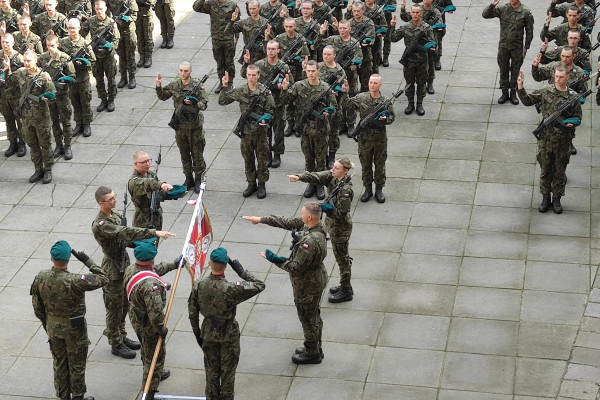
(144, 25)
(189, 134)
(165, 12)
(58, 298)
(112, 236)
(9, 99)
(307, 274)
(339, 222)
(125, 14)
(219, 337)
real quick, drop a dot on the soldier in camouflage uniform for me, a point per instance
(554, 146)
(254, 143)
(315, 129)
(36, 90)
(57, 64)
(372, 143)
(361, 23)
(144, 25)
(25, 37)
(51, 20)
(125, 14)
(582, 56)
(561, 10)
(388, 12)
(146, 293)
(112, 236)
(303, 23)
(219, 337)
(80, 9)
(80, 90)
(9, 99)
(189, 134)
(248, 27)
(58, 298)
(165, 12)
(560, 33)
(338, 222)
(267, 9)
(440, 5)
(307, 274)
(375, 14)
(515, 20)
(416, 62)
(223, 46)
(8, 16)
(105, 64)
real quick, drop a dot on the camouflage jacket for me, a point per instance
(71, 47)
(284, 43)
(301, 95)
(266, 10)
(220, 15)
(75, 8)
(265, 70)
(22, 42)
(44, 22)
(93, 26)
(248, 27)
(582, 54)
(546, 72)
(58, 295)
(10, 19)
(245, 96)
(109, 233)
(7, 90)
(512, 25)
(560, 33)
(339, 45)
(216, 299)
(560, 10)
(367, 43)
(310, 35)
(364, 103)
(140, 188)
(42, 84)
(117, 7)
(376, 16)
(191, 116)
(52, 65)
(410, 32)
(146, 7)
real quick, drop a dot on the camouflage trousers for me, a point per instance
(69, 356)
(339, 244)
(276, 138)
(309, 314)
(509, 61)
(372, 150)
(364, 74)
(313, 143)
(333, 141)
(220, 362)
(142, 218)
(553, 157)
(106, 66)
(60, 114)
(165, 12)
(377, 54)
(223, 53)
(432, 57)
(191, 142)
(13, 124)
(255, 149)
(36, 130)
(148, 338)
(81, 97)
(116, 306)
(144, 25)
(387, 39)
(439, 37)
(415, 74)
(126, 52)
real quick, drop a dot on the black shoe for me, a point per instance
(438, 65)
(350, 131)
(331, 159)
(132, 82)
(368, 193)
(513, 97)
(409, 108)
(379, 194)
(335, 289)
(300, 350)
(320, 192)
(430, 88)
(197, 185)
(12, 149)
(78, 130)
(385, 62)
(276, 161)
(148, 62)
(420, 109)
(289, 130)
(122, 82)
(122, 351)
(47, 177)
(305, 358)
(68, 152)
(87, 131)
(297, 133)
(573, 150)
(556, 206)
(165, 374)
(58, 150)
(310, 191)
(545, 204)
(163, 45)
(504, 98)
(21, 149)
(140, 63)
(110, 106)
(189, 182)
(261, 192)
(89, 398)
(250, 189)
(37, 175)
(170, 43)
(102, 106)
(132, 344)
(219, 88)
(344, 294)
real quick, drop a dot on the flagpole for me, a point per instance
(173, 290)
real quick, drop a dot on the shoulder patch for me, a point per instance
(346, 194)
(101, 223)
(155, 288)
(83, 277)
(305, 245)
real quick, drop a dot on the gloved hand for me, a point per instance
(296, 59)
(582, 100)
(573, 121)
(338, 90)
(106, 46)
(274, 258)
(125, 18)
(178, 260)
(367, 40)
(264, 119)
(80, 255)
(192, 99)
(163, 332)
(48, 95)
(84, 61)
(236, 266)
(65, 79)
(327, 207)
(429, 45)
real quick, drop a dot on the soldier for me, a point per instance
(51, 20)
(146, 293)
(33, 83)
(9, 99)
(8, 17)
(25, 37)
(81, 89)
(223, 46)
(189, 99)
(125, 12)
(144, 25)
(303, 22)
(375, 13)
(560, 33)
(58, 298)
(307, 274)
(372, 145)
(267, 9)
(62, 71)
(113, 236)
(361, 23)
(248, 27)
(554, 146)
(219, 338)
(515, 19)
(440, 5)
(254, 144)
(388, 12)
(339, 222)
(105, 64)
(165, 12)
(582, 57)
(80, 9)
(561, 10)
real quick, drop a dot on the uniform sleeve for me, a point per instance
(529, 99)
(490, 12)
(307, 251)
(392, 116)
(93, 281)
(39, 308)
(529, 30)
(247, 289)
(227, 96)
(342, 204)
(290, 95)
(154, 306)
(126, 232)
(540, 73)
(288, 223)
(164, 268)
(397, 34)
(165, 92)
(316, 178)
(193, 311)
(201, 6)
(140, 186)
(203, 103)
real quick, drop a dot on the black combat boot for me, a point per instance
(545, 204)
(310, 191)
(37, 175)
(344, 294)
(438, 65)
(504, 98)
(140, 63)
(110, 105)
(556, 206)
(276, 161)
(430, 88)
(305, 358)
(252, 187)
(368, 193)
(170, 43)
(386, 61)
(513, 97)
(12, 149)
(132, 82)
(123, 81)
(303, 349)
(335, 289)
(48, 178)
(410, 107)
(78, 130)
(21, 149)
(132, 344)
(573, 149)
(261, 192)
(289, 129)
(68, 152)
(87, 130)
(379, 194)
(320, 192)
(420, 109)
(59, 150)
(102, 106)
(189, 182)
(165, 374)
(148, 62)
(163, 45)
(122, 351)
(330, 159)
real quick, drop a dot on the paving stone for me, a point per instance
(572, 278)
(462, 395)
(377, 237)
(547, 248)
(573, 389)
(496, 245)
(585, 373)
(16, 383)
(451, 170)
(540, 340)
(418, 298)
(441, 215)
(393, 392)
(538, 377)
(468, 335)
(508, 173)
(585, 356)
(426, 268)
(490, 303)
(575, 224)
(494, 194)
(452, 192)
(552, 307)
(434, 241)
(460, 130)
(409, 367)
(414, 331)
(496, 273)
(456, 149)
(476, 372)
(323, 389)
(502, 219)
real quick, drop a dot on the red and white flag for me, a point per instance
(200, 240)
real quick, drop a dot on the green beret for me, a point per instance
(61, 251)
(176, 192)
(145, 250)
(219, 255)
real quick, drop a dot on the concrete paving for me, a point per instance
(463, 291)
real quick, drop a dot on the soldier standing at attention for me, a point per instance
(359, 23)
(112, 236)
(126, 47)
(339, 222)
(515, 20)
(560, 33)
(58, 298)
(248, 27)
(48, 20)
(254, 143)
(189, 134)
(9, 100)
(554, 147)
(165, 12)
(223, 47)
(144, 25)
(147, 296)
(216, 299)
(25, 37)
(307, 274)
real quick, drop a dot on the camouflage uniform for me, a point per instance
(127, 42)
(189, 135)
(109, 233)
(333, 141)
(81, 9)
(144, 25)
(60, 109)
(387, 39)
(318, 12)
(248, 27)
(560, 10)
(266, 10)
(554, 148)
(57, 297)
(9, 100)
(254, 143)
(222, 40)
(217, 299)
(10, 19)
(44, 22)
(440, 5)
(582, 57)
(81, 89)
(372, 143)
(165, 12)
(105, 64)
(560, 33)
(307, 274)
(510, 47)
(140, 188)
(147, 301)
(380, 22)
(366, 67)
(338, 222)
(546, 72)
(22, 42)
(432, 17)
(310, 35)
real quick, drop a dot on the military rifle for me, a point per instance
(344, 58)
(124, 244)
(373, 115)
(309, 31)
(332, 80)
(546, 122)
(178, 113)
(58, 29)
(80, 11)
(123, 11)
(154, 199)
(583, 56)
(256, 41)
(592, 10)
(338, 187)
(27, 96)
(244, 118)
(34, 10)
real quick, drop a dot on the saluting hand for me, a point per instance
(520, 80)
(495, 2)
(548, 19)
(3, 27)
(158, 80)
(394, 20)
(537, 60)
(225, 79)
(234, 15)
(286, 82)
(247, 56)
(323, 28)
